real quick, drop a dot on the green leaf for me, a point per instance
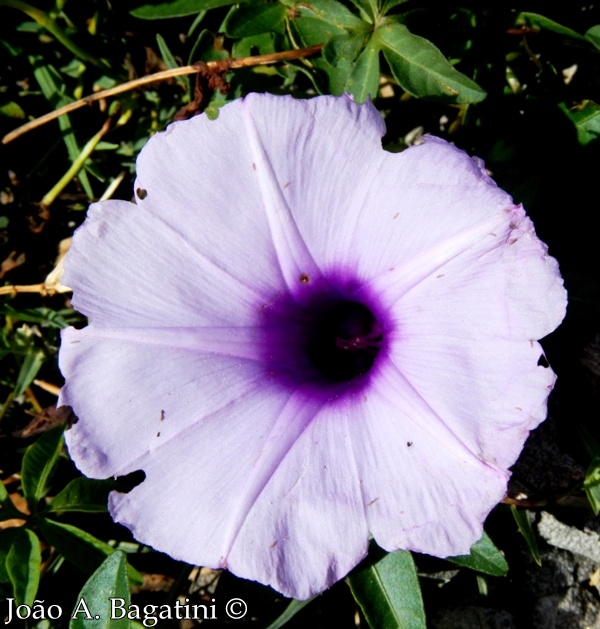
(165, 53)
(264, 44)
(524, 523)
(208, 47)
(593, 35)
(290, 611)
(34, 359)
(23, 564)
(109, 581)
(347, 46)
(387, 589)
(591, 482)
(12, 110)
(586, 118)
(369, 9)
(330, 12)
(255, 19)
(85, 495)
(38, 465)
(484, 557)
(47, 78)
(535, 20)
(8, 511)
(364, 78)
(388, 5)
(421, 69)
(80, 548)
(178, 8)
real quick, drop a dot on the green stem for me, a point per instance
(76, 166)
(44, 20)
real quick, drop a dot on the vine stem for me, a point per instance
(224, 65)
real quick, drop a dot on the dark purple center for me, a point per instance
(327, 334)
(343, 340)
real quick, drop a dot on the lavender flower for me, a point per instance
(304, 340)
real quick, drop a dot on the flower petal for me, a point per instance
(272, 513)
(477, 321)
(411, 472)
(131, 396)
(131, 268)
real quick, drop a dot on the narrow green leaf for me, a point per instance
(254, 19)
(535, 20)
(23, 565)
(290, 611)
(93, 608)
(38, 465)
(178, 8)
(524, 523)
(421, 69)
(593, 35)
(47, 77)
(484, 557)
(85, 495)
(586, 118)
(80, 548)
(165, 53)
(386, 587)
(7, 537)
(34, 359)
(364, 78)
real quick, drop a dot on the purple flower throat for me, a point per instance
(326, 334)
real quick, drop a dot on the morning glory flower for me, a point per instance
(304, 341)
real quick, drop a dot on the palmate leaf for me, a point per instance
(421, 69)
(109, 581)
(386, 587)
(484, 557)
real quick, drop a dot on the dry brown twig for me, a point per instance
(228, 64)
